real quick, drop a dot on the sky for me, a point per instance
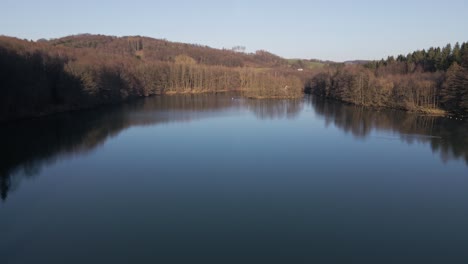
(328, 30)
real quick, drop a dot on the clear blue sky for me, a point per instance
(333, 29)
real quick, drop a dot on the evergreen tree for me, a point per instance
(456, 54)
(454, 93)
(444, 58)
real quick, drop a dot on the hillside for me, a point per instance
(150, 49)
(433, 81)
(82, 71)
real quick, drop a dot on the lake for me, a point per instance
(224, 179)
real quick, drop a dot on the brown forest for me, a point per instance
(425, 81)
(83, 71)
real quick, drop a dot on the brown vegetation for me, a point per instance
(428, 82)
(83, 71)
(75, 72)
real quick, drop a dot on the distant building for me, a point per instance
(300, 69)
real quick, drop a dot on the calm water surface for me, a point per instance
(220, 179)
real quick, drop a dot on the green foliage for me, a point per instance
(434, 59)
(306, 64)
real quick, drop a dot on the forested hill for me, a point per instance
(151, 49)
(425, 80)
(81, 71)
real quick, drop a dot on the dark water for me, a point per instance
(212, 179)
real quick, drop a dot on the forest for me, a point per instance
(432, 81)
(83, 71)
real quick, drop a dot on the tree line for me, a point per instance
(420, 81)
(37, 78)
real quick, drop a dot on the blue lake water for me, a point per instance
(222, 179)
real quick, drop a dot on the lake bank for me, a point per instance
(438, 112)
(56, 109)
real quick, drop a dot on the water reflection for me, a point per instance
(28, 146)
(274, 109)
(446, 136)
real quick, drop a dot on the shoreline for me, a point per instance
(436, 112)
(64, 109)
(52, 110)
